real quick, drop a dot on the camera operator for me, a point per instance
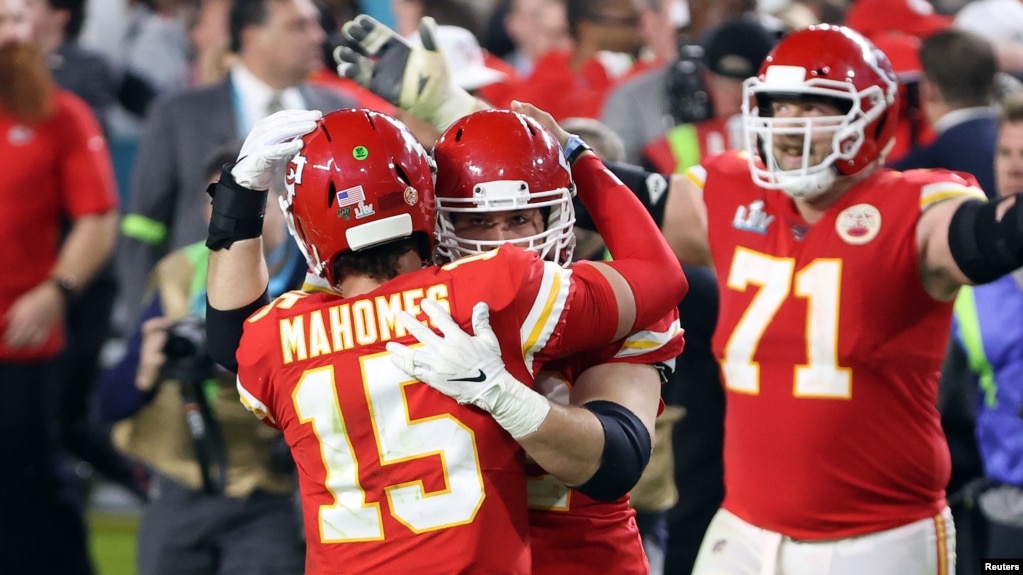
(220, 498)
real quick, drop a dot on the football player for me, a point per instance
(836, 279)
(496, 185)
(386, 465)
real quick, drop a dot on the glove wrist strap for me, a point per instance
(237, 212)
(456, 103)
(519, 409)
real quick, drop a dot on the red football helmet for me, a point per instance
(823, 61)
(361, 180)
(498, 160)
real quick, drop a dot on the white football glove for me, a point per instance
(271, 142)
(469, 368)
(414, 78)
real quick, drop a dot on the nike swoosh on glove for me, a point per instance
(468, 368)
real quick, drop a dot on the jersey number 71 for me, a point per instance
(818, 285)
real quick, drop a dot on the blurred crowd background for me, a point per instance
(174, 86)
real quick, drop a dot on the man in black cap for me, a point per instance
(645, 106)
(732, 52)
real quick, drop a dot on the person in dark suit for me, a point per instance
(956, 94)
(278, 45)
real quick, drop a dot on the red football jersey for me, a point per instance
(830, 350)
(57, 168)
(396, 477)
(571, 533)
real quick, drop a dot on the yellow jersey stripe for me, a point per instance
(252, 404)
(931, 194)
(546, 311)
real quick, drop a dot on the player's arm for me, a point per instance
(601, 444)
(685, 220)
(237, 280)
(606, 462)
(967, 240)
(256, 365)
(646, 278)
(675, 203)
(679, 211)
(624, 393)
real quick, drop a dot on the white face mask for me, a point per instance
(827, 138)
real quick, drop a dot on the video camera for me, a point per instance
(189, 362)
(188, 357)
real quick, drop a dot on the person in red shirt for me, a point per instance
(56, 164)
(378, 491)
(575, 82)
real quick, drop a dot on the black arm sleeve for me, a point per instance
(984, 247)
(627, 447)
(224, 330)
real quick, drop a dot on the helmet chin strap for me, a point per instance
(805, 187)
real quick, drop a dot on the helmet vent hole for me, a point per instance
(326, 132)
(458, 134)
(331, 194)
(402, 175)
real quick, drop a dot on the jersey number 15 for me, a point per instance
(398, 438)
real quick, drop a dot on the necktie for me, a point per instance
(275, 104)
